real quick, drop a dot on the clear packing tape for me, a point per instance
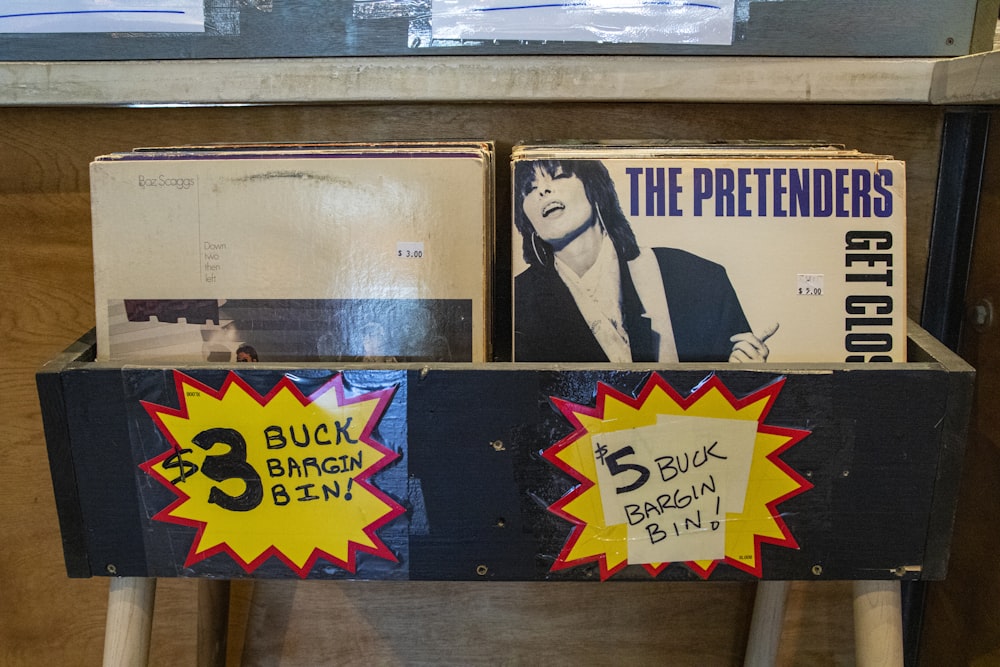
(457, 22)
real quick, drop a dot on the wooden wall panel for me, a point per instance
(46, 301)
(388, 623)
(962, 625)
(562, 624)
(44, 271)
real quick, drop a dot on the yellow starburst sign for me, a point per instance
(670, 479)
(282, 475)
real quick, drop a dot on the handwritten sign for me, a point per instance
(65, 16)
(610, 21)
(282, 475)
(666, 478)
(673, 483)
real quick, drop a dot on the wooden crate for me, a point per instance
(874, 452)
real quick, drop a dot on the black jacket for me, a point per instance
(704, 313)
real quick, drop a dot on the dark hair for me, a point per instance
(247, 349)
(600, 191)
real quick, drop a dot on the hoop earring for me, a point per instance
(534, 247)
(600, 218)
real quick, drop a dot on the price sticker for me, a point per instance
(410, 250)
(810, 284)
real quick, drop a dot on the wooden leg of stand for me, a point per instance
(878, 624)
(765, 624)
(213, 622)
(130, 621)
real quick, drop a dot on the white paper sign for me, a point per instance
(611, 21)
(673, 483)
(63, 16)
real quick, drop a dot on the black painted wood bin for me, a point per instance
(508, 471)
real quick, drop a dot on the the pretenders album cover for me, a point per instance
(707, 253)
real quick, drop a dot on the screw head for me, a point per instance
(981, 315)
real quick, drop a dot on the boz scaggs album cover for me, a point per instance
(294, 253)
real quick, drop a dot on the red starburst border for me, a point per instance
(336, 383)
(655, 381)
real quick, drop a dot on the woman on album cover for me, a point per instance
(591, 293)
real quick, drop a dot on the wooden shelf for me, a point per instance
(967, 80)
(971, 79)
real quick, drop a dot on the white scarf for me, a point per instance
(597, 294)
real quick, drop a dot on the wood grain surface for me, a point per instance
(47, 302)
(962, 626)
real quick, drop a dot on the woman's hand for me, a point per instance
(749, 347)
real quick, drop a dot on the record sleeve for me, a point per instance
(734, 253)
(286, 253)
